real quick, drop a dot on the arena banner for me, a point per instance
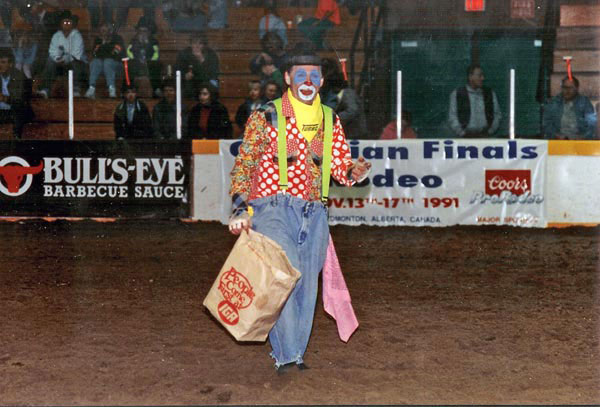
(94, 178)
(446, 182)
(437, 183)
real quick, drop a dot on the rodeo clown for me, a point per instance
(279, 186)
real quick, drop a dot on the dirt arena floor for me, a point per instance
(110, 314)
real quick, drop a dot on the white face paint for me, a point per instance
(303, 92)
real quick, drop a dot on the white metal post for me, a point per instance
(178, 103)
(71, 114)
(511, 122)
(399, 104)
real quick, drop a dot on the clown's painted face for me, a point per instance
(304, 82)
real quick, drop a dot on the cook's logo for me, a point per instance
(516, 181)
(238, 294)
(12, 171)
(507, 187)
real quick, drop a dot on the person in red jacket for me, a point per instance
(209, 119)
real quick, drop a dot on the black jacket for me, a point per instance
(164, 120)
(114, 49)
(219, 125)
(244, 111)
(203, 72)
(140, 127)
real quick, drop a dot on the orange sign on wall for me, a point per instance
(474, 5)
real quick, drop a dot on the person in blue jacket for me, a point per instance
(569, 115)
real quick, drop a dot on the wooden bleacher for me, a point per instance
(235, 47)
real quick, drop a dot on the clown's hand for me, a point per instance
(360, 169)
(239, 222)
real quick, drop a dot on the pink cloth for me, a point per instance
(336, 297)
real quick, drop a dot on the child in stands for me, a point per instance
(252, 103)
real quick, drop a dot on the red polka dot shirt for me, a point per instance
(256, 172)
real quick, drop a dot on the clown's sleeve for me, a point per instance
(246, 162)
(341, 160)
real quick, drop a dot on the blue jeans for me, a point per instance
(301, 229)
(108, 66)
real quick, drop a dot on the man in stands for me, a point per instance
(66, 52)
(569, 115)
(132, 119)
(143, 54)
(271, 22)
(273, 51)
(198, 64)
(271, 90)
(15, 94)
(164, 114)
(474, 110)
(107, 53)
(44, 22)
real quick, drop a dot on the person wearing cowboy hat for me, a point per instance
(293, 213)
(66, 52)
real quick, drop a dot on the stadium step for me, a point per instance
(583, 61)
(577, 15)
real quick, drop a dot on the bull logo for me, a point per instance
(12, 171)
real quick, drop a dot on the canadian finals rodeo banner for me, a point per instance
(437, 182)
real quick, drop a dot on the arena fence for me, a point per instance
(423, 182)
(95, 179)
(434, 182)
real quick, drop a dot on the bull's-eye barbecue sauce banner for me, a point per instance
(439, 182)
(95, 178)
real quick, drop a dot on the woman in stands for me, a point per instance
(209, 119)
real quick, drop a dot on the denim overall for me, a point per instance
(301, 228)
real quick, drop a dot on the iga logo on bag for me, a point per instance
(238, 294)
(517, 182)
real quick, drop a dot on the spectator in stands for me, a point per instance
(6, 8)
(15, 95)
(100, 11)
(269, 72)
(66, 52)
(217, 14)
(44, 23)
(209, 119)
(252, 103)
(343, 100)
(198, 64)
(107, 55)
(25, 52)
(569, 115)
(271, 90)
(389, 132)
(164, 114)
(187, 15)
(271, 22)
(143, 54)
(132, 119)
(147, 18)
(474, 110)
(272, 51)
(326, 16)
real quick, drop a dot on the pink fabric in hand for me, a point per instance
(336, 297)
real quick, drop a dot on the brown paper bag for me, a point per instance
(252, 287)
